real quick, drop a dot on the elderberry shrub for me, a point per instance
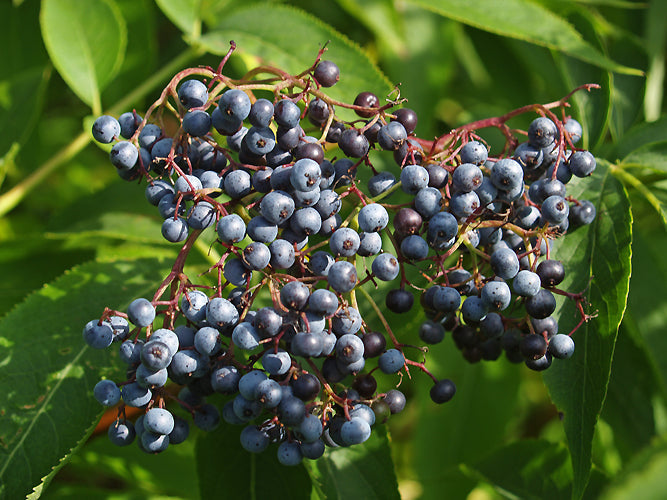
(274, 326)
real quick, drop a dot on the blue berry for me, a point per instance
(141, 312)
(561, 346)
(582, 213)
(105, 129)
(135, 395)
(158, 421)
(431, 332)
(151, 378)
(282, 254)
(156, 190)
(192, 94)
(121, 433)
(305, 175)
(442, 391)
(231, 229)
(473, 309)
(414, 178)
(391, 361)
(467, 177)
(197, 123)
(463, 205)
(106, 393)
(130, 352)
(573, 127)
(180, 432)
(541, 305)
(202, 215)
(391, 136)
(507, 174)
(276, 363)
(245, 336)
(342, 276)
(369, 244)
(380, 183)
(261, 113)
(505, 263)
(414, 247)
(582, 163)
(98, 335)
(526, 283)
(474, 152)
(221, 313)
(260, 140)
(355, 431)
(193, 305)
(207, 341)
(206, 417)
(225, 379)
(254, 440)
(291, 411)
(428, 201)
(124, 155)
(277, 207)
(373, 217)
(542, 132)
(149, 135)
(128, 124)
(344, 242)
(496, 295)
(555, 209)
(385, 267)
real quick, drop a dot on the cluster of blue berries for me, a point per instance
(278, 330)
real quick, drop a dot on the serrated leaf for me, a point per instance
(362, 471)
(223, 465)
(644, 477)
(85, 43)
(183, 13)
(47, 372)
(602, 251)
(527, 469)
(524, 20)
(290, 39)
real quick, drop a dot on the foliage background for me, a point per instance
(74, 238)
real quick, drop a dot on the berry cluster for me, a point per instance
(278, 328)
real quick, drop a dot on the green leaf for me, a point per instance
(103, 470)
(601, 251)
(21, 98)
(524, 20)
(647, 302)
(290, 39)
(86, 45)
(527, 469)
(48, 372)
(183, 13)
(644, 477)
(223, 465)
(638, 136)
(364, 471)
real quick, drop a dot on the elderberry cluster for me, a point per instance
(302, 242)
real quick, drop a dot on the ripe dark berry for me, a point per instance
(366, 100)
(306, 386)
(365, 385)
(396, 400)
(399, 301)
(551, 272)
(541, 305)
(326, 73)
(374, 344)
(407, 221)
(533, 346)
(353, 143)
(408, 118)
(443, 391)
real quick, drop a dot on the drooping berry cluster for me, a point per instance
(278, 327)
